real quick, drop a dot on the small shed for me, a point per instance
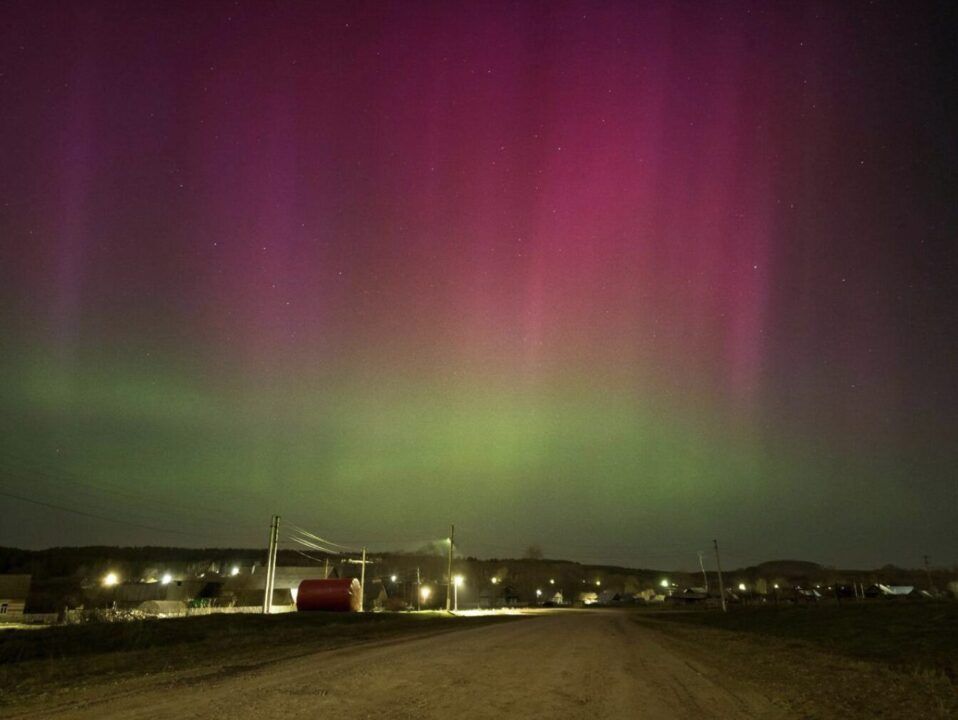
(163, 608)
(13, 595)
(689, 596)
(376, 595)
(509, 597)
(897, 591)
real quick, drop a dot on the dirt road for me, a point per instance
(567, 664)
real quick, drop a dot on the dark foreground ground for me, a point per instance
(819, 662)
(909, 636)
(877, 660)
(41, 662)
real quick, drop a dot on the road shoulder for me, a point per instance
(807, 681)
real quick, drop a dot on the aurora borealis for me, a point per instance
(614, 278)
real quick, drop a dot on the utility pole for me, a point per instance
(705, 577)
(362, 584)
(271, 565)
(718, 564)
(452, 541)
(418, 590)
(931, 585)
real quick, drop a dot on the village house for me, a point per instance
(13, 595)
(895, 591)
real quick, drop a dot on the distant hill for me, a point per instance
(789, 568)
(63, 576)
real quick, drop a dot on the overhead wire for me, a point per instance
(12, 465)
(91, 487)
(105, 518)
(307, 555)
(313, 546)
(317, 538)
(93, 502)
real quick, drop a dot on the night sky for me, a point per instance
(613, 278)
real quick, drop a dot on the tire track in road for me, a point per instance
(569, 664)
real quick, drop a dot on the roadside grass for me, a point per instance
(911, 636)
(35, 662)
(873, 660)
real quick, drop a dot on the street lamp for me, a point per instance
(538, 593)
(166, 579)
(456, 582)
(235, 571)
(741, 586)
(552, 581)
(424, 592)
(495, 581)
(392, 578)
(110, 579)
(664, 583)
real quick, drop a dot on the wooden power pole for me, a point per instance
(271, 565)
(362, 584)
(931, 585)
(452, 542)
(718, 564)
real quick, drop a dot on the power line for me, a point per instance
(99, 517)
(98, 503)
(313, 546)
(69, 476)
(307, 555)
(317, 538)
(72, 479)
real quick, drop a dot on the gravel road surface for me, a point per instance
(565, 664)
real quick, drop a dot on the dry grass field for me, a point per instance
(885, 660)
(855, 660)
(46, 661)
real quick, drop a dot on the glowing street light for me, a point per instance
(664, 583)
(166, 579)
(741, 586)
(110, 579)
(234, 571)
(552, 581)
(424, 592)
(392, 578)
(495, 581)
(598, 583)
(538, 592)
(457, 580)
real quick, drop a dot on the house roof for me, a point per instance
(287, 576)
(14, 587)
(897, 589)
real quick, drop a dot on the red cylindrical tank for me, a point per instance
(336, 595)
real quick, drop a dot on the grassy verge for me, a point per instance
(854, 660)
(40, 661)
(920, 636)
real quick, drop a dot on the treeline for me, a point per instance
(58, 562)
